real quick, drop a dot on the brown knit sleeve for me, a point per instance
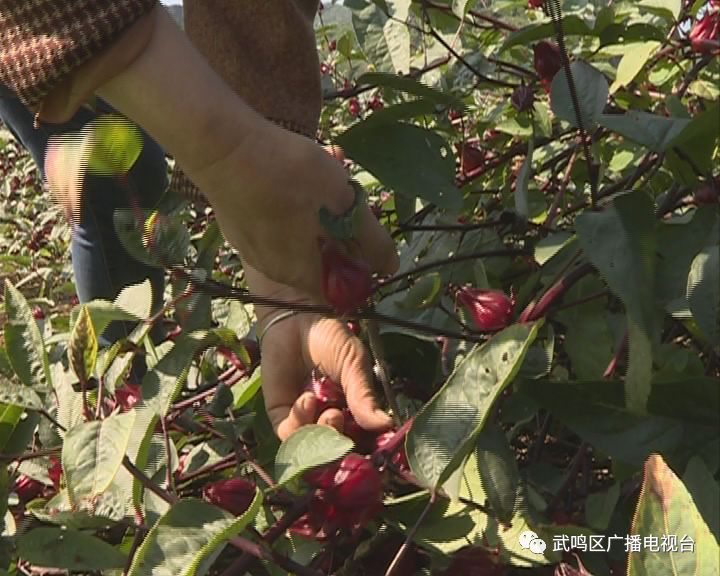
(41, 41)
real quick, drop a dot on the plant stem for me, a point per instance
(410, 535)
(376, 347)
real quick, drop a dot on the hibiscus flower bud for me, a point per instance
(27, 488)
(128, 395)
(705, 32)
(346, 281)
(491, 310)
(398, 458)
(327, 393)
(547, 61)
(234, 495)
(356, 493)
(471, 157)
(55, 471)
(535, 3)
(522, 98)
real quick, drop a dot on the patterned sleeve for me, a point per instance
(43, 40)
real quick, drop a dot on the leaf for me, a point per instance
(369, 22)
(116, 145)
(93, 452)
(19, 395)
(666, 507)
(498, 471)
(310, 446)
(102, 312)
(24, 342)
(68, 550)
(460, 7)
(599, 507)
(633, 60)
(620, 243)
(650, 130)
(572, 26)
(83, 346)
(663, 7)
(188, 537)
(445, 429)
(698, 138)
(136, 300)
(409, 159)
(409, 86)
(705, 492)
(592, 93)
(397, 35)
(703, 291)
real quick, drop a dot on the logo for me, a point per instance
(529, 541)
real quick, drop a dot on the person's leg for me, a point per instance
(101, 265)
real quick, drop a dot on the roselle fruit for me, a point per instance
(471, 158)
(128, 395)
(327, 393)
(346, 281)
(357, 486)
(491, 310)
(398, 457)
(547, 61)
(704, 35)
(28, 488)
(535, 3)
(55, 471)
(234, 494)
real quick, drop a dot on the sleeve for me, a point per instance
(41, 41)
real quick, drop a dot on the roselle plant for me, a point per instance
(548, 348)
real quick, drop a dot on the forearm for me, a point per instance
(173, 93)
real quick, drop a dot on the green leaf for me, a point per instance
(24, 342)
(663, 7)
(397, 35)
(703, 292)
(19, 395)
(369, 24)
(699, 138)
(572, 26)
(592, 93)
(83, 346)
(186, 539)
(498, 471)
(310, 446)
(599, 507)
(620, 243)
(68, 550)
(633, 60)
(93, 452)
(666, 507)
(423, 293)
(705, 492)
(409, 159)
(116, 145)
(460, 7)
(650, 130)
(102, 312)
(136, 300)
(444, 431)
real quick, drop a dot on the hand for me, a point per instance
(272, 215)
(292, 347)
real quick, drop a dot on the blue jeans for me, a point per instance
(101, 265)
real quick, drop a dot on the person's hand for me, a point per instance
(292, 347)
(271, 215)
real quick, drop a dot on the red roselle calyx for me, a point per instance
(128, 395)
(28, 488)
(327, 393)
(55, 471)
(234, 495)
(535, 3)
(547, 61)
(491, 310)
(346, 281)
(705, 31)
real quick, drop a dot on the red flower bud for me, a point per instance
(28, 488)
(128, 395)
(234, 495)
(346, 281)
(364, 439)
(490, 309)
(705, 31)
(535, 3)
(356, 494)
(354, 106)
(38, 313)
(547, 61)
(327, 393)
(471, 157)
(398, 458)
(55, 471)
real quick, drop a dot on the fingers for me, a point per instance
(344, 359)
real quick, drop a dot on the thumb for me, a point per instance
(345, 360)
